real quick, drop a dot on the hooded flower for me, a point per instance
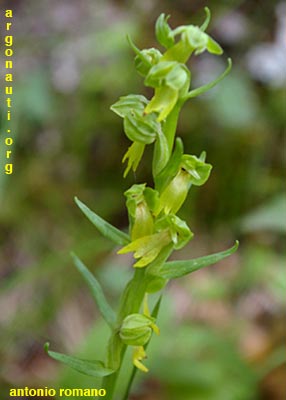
(167, 78)
(140, 128)
(169, 229)
(140, 203)
(191, 171)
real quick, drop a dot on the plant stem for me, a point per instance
(130, 303)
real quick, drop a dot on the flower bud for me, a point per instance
(136, 329)
(191, 171)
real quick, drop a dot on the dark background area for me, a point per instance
(222, 328)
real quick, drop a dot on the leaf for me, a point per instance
(104, 227)
(87, 367)
(96, 290)
(176, 269)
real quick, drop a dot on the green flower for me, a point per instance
(140, 128)
(147, 248)
(168, 78)
(140, 203)
(169, 229)
(193, 40)
(191, 171)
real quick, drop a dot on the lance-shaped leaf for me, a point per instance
(104, 227)
(96, 290)
(176, 269)
(87, 367)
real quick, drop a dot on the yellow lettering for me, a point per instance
(8, 141)
(8, 24)
(9, 78)
(9, 40)
(9, 14)
(9, 171)
(9, 101)
(9, 89)
(9, 52)
(8, 64)
(8, 153)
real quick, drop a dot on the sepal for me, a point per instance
(163, 32)
(128, 104)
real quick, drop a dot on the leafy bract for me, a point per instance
(103, 226)
(96, 290)
(86, 367)
(176, 269)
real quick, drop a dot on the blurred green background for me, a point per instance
(222, 328)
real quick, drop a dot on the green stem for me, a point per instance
(130, 303)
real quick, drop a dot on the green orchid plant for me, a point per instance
(155, 229)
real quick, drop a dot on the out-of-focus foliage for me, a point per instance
(72, 61)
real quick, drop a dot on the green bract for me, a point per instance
(155, 229)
